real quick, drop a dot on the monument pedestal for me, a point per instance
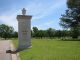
(24, 31)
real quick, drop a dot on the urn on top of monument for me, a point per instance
(23, 11)
(23, 15)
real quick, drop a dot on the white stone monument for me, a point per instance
(24, 30)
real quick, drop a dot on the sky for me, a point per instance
(45, 13)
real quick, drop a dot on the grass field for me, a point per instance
(51, 49)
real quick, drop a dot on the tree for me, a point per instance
(58, 34)
(40, 33)
(6, 31)
(71, 19)
(15, 34)
(73, 3)
(35, 31)
(51, 32)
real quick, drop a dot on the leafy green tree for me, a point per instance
(58, 34)
(15, 34)
(40, 34)
(6, 31)
(71, 19)
(51, 32)
(35, 31)
(73, 3)
(45, 34)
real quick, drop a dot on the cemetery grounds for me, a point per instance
(50, 49)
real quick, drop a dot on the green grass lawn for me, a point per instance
(51, 49)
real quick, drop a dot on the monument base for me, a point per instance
(21, 48)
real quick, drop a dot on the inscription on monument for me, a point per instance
(24, 32)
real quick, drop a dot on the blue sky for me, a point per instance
(46, 13)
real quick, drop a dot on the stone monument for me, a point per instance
(24, 30)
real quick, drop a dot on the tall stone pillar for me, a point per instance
(24, 30)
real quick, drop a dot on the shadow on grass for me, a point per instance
(16, 51)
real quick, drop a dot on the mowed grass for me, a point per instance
(51, 49)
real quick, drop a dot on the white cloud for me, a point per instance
(42, 11)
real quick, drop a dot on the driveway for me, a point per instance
(5, 45)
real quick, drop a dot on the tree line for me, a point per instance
(8, 32)
(51, 33)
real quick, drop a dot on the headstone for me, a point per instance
(24, 30)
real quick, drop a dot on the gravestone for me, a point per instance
(24, 30)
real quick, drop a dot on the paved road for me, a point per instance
(4, 45)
